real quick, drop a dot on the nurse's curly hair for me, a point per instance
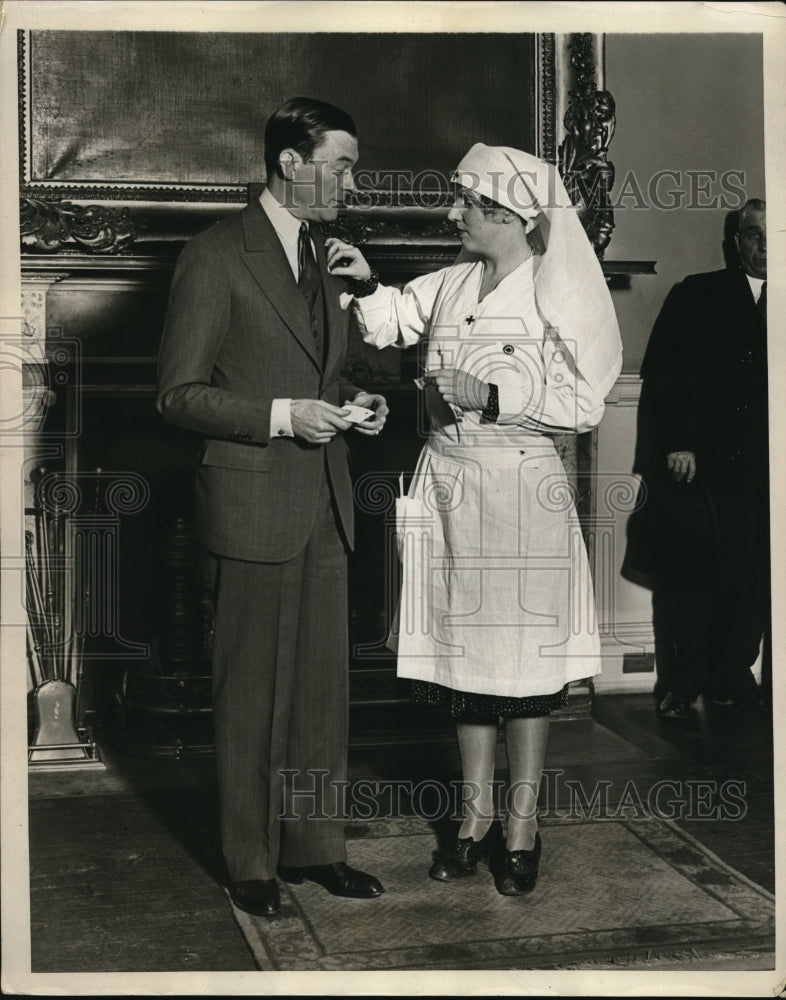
(487, 205)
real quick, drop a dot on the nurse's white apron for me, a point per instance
(496, 593)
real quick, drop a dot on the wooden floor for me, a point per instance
(126, 869)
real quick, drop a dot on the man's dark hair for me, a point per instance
(300, 124)
(757, 204)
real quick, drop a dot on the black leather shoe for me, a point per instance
(516, 872)
(462, 856)
(674, 706)
(257, 896)
(339, 879)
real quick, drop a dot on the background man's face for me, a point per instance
(752, 242)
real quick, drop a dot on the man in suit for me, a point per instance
(253, 345)
(703, 531)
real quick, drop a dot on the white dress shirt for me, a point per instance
(287, 229)
(755, 284)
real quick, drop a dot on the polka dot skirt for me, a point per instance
(467, 706)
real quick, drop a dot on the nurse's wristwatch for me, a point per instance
(360, 289)
(491, 412)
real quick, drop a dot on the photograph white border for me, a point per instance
(297, 15)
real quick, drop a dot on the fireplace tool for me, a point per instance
(54, 646)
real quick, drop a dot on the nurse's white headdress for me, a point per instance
(570, 288)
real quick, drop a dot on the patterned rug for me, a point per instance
(622, 890)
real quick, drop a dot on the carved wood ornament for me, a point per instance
(47, 226)
(583, 163)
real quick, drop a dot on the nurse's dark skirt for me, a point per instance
(488, 709)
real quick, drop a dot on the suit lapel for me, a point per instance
(265, 259)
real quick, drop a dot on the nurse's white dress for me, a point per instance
(497, 597)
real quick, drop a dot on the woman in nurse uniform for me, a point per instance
(497, 612)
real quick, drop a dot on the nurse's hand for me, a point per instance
(460, 388)
(346, 261)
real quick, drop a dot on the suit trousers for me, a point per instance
(280, 692)
(706, 640)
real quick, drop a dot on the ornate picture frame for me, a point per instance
(70, 148)
(178, 116)
(172, 142)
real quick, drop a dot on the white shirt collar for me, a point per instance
(285, 224)
(755, 284)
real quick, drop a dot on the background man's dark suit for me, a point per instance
(239, 334)
(706, 543)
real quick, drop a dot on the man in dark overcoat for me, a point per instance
(702, 450)
(251, 358)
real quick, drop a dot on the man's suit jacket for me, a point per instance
(237, 336)
(704, 390)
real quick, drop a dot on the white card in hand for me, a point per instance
(357, 414)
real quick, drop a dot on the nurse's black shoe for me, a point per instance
(516, 872)
(461, 857)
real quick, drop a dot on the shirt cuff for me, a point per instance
(281, 418)
(379, 297)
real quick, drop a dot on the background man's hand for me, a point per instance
(682, 465)
(316, 421)
(376, 403)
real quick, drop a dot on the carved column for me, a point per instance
(37, 395)
(584, 121)
(38, 392)
(585, 111)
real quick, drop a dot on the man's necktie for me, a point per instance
(761, 304)
(308, 273)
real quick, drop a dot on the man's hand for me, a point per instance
(316, 421)
(376, 403)
(346, 261)
(682, 465)
(460, 388)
